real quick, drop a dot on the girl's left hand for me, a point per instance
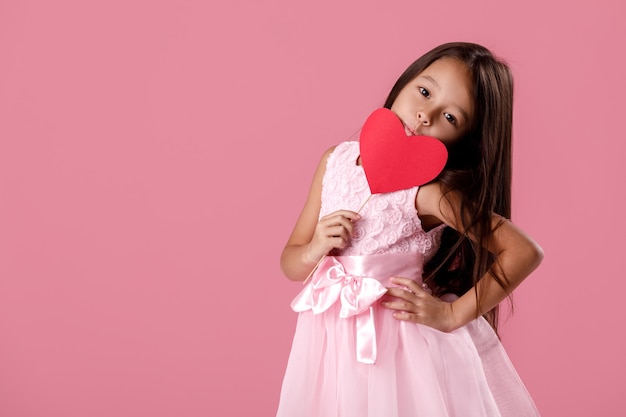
(415, 305)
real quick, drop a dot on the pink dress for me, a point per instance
(351, 358)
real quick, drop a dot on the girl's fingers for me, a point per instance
(413, 304)
(399, 305)
(408, 283)
(333, 231)
(338, 242)
(338, 231)
(404, 299)
(337, 227)
(352, 215)
(399, 293)
(341, 218)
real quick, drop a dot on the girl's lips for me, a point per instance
(409, 131)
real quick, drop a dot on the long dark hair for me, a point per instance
(478, 168)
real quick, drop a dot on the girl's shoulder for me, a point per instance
(341, 151)
(345, 147)
(428, 200)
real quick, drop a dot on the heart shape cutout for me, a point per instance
(392, 160)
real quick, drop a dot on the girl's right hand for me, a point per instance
(332, 231)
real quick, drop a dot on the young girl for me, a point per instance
(398, 319)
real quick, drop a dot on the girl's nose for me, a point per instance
(423, 118)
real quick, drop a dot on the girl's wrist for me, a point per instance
(456, 317)
(309, 259)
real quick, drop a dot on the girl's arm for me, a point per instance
(517, 255)
(312, 237)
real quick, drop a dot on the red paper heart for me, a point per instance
(392, 160)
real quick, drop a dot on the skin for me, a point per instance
(437, 103)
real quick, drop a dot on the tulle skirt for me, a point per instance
(351, 358)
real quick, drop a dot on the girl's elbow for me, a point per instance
(289, 270)
(286, 270)
(535, 254)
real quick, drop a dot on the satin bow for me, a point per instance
(357, 294)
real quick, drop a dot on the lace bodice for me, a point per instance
(389, 222)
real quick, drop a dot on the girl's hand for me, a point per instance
(413, 304)
(332, 231)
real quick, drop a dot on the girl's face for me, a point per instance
(438, 102)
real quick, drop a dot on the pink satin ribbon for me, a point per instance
(356, 294)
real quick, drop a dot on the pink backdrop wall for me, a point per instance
(155, 154)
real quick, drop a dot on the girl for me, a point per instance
(399, 320)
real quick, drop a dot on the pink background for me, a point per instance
(154, 156)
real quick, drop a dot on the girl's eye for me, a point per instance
(424, 92)
(450, 118)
